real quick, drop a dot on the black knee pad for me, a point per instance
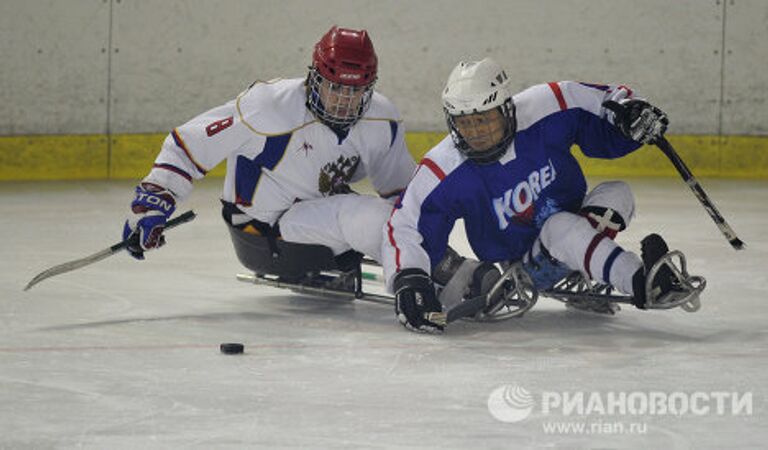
(447, 266)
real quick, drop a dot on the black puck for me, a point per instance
(232, 348)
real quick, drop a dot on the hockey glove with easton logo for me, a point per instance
(638, 119)
(150, 210)
(416, 305)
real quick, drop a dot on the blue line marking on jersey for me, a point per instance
(248, 171)
(393, 128)
(609, 263)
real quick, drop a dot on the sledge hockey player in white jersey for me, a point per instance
(292, 147)
(507, 170)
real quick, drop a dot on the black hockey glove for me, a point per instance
(638, 119)
(416, 305)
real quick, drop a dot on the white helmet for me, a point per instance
(475, 87)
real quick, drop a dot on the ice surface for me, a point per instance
(124, 354)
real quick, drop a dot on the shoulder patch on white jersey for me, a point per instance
(535, 103)
(443, 158)
(590, 97)
(274, 107)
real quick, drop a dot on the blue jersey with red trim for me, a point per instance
(504, 204)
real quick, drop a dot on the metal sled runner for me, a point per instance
(302, 268)
(313, 270)
(577, 291)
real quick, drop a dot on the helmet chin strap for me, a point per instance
(489, 156)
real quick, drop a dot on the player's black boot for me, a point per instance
(653, 248)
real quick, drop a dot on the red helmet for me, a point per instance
(346, 57)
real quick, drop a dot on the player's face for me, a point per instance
(341, 101)
(481, 131)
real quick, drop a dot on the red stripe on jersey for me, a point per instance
(559, 95)
(182, 145)
(434, 168)
(391, 234)
(590, 250)
(175, 170)
(626, 88)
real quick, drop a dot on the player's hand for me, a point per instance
(416, 305)
(150, 210)
(638, 119)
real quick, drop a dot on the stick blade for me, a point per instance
(32, 282)
(69, 266)
(53, 271)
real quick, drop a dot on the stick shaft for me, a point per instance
(98, 256)
(700, 194)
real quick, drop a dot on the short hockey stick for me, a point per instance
(691, 181)
(82, 262)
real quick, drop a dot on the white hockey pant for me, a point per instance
(589, 247)
(341, 222)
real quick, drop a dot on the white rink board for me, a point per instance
(53, 67)
(166, 61)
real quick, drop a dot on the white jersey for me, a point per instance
(278, 153)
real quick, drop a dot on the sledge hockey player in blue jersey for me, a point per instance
(507, 170)
(292, 148)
